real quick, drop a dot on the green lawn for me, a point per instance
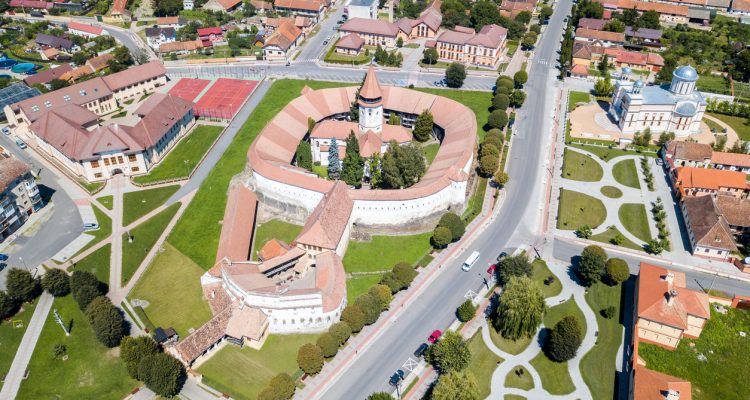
(606, 153)
(483, 363)
(336, 58)
(610, 233)
(580, 167)
(512, 45)
(191, 148)
(383, 252)
(478, 102)
(430, 151)
(626, 174)
(725, 351)
(598, 365)
(513, 397)
(105, 229)
(321, 171)
(91, 371)
(171, 285)
(514, 347)
(539, 273)
(142, 202)
(274, 229)
(10, 336)
(196, 235)
(523, 381)
(97, 263)
(578, 209)
(713, 84)
(611, 192)
(476, 202)
(635, 219)
(144, 237)
(576, 98)
(358, 284)
(713, 125)
(739, 124)
(243, 373)
(106, 201)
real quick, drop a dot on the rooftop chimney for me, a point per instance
(671, 296)
(670, 277)
(673, 395)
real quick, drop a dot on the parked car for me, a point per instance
(435, 336)
(3, 257)
(90, 226)
(397, 377)
(20, 143)
(6, 131)
(502, 255)
(421, 350)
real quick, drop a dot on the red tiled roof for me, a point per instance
(39, 5)
(653, 291)
(214, 30)
(681, 150)
(48, 75)
(741, 5)
(371, 88)
(710, 228)
(652, 385)
(237, 225)
(118, 6)
(307, 5)
(615, 37)
(712, 179)
(273, 248)
(351, 41)
(134, 75)
(98, 63)
(732, 159)
(580, 69)
(370, 26)
(284, 36)
(85, 28)
(326, 224)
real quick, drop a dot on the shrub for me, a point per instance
(310, 358)
(493, 140)
(517, 98)
(380, 396)
(591, 265)
(281, 387)
(564, 339)
(488, 165)
(441, 237)
(520, 78)
(133, 350)
(617, 270)
(56, 282)
(466, 311)
(370, 307)
(382, 294)
(584, 232)
(456, 386)
(450, 353)
(500, 101)
(354, 317)
(85, 295)
(498, 119)
(328, 344)
(21, 285)
(423, 126)
(341, 331)
(505, 82)
(404, 273)
(453, 222)
(518, 265)
(162, 373)
(389, 279)
(500, 179)
(80, 279)
(608, 312)
(455, 75)
(489, 149)
(8, 305)
(106, 321)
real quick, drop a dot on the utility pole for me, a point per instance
(60, 322)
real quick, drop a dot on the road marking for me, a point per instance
(410, 365)
(470, 295)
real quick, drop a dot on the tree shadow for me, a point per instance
(45, 192)
(126, 326)
(627, 319)
(70, 326)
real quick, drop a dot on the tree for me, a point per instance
(400, 42)
(649, 19)
(162, 373)
(353, 170)
(614, 25)
(334, 165)
(121, 59)
(721, 142)
(370, 307)
(354, 317)
(166, 8)
(56, 282)
(521, 308)
(85, 295)
(404, 273)
(304, 155)
(603, 87)
(328, 344)
(529, 41)
(523, 17)
(617, 270)
(441, 237)
(8, 305)
(545, 12)
(430, 56)
(380, 396)
(655, 246)
(455, 75)
(456, 386)
(488, 165)
(453, 222)
(450, 353)
(564, 339)
(498, 119)
(248, 9)
(402, 166)
(500, 179)
(21, 285)
(489, 149)
(513, 266)
(591, 265)
(281, 387)
(106, 321)
(310, 358)
(423, 126)
(584, 232)
(504, 82)
(500, 101)
(376, 175)
(133, 350)
(604, 65)
(389, 279)
(483, 13)
(382, 293)
(466, 311)
(56, 84)
(517, 98)
(664, 138)
(80, 278)
(341, 331)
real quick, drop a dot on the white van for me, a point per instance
(470, 261)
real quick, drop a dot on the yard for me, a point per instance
(105, 228)
(739, 124)
(358, 284)
(598, 365)
(521, 380)
(609, 235)
(430, 151)
(381, 253)
(635, 219)
(576, 98)
(580, 167)
(142, 202)
(171, 285)
(91, 371)
(475, 202)
(626, 174)
(478, 102)
(483, 363)
(713, 84)
(578, 209)
(11, 336)
(540, 272)
(273, 229)
(144, 237)
(97, 263)
(243, 373)
(337, 58)
(184, 157)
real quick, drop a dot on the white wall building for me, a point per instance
(363, 9)
(187, 4)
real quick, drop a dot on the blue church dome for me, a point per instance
(687, 109)
(638, 83)
(626, 71)
(686, 73)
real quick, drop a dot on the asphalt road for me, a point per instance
(313, 48)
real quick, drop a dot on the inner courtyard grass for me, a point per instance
(739, 124)
(430, 151)
(539, 273)
(273, 229)
(171, 285)
(245, 372)
(611, 192)
(478, 102)
(580, 167)
(184, 157)
(598, 365)
(91, 371)
(514, 347)
(97, 263)
(626, 174)
(608, 235)
(725, 350)
(523, 381)
(483, 364)
(140, 203)
(635, 219)
(358, 284)
(11, 333)
(577, 97)
(144, 237)
(577, 209)
(383, 252)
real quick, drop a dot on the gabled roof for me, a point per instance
(712, 179)
(214, 30)
(273, 248)
(11, 169)
(709, 227)
(48, 75)
(733, 159)
(327, 223)
(176, 20)
(643, 33)
(351, 41)
(284, 36)
(371, 88)
(53, 41)
(189, 45)
(133, 75)
(615, 37)
(307, 5)
(370, 26)
(652, 385)
(740, 5)
(653, 305)
(689, 151)
(95, 30)
(98, 63)
(592, 23)
(431, 17)
(238, 223)
(157, 31)
(734, 209)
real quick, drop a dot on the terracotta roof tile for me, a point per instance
(96, 30)
(11, 169)
(732, 159)
(370, 26)
(653, 289)
(48, 75)
(615, 37)
(133, 75)
(325, 226)
(709, 227)
(273, 248)
(735, 210)
(351, 41)
(697, 152)
(237, 225)
(652, 385)
(712, 179)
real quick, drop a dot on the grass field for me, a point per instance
(635, 219)
(475, 202)
(598, 365)
(539, 273)
(144, 236)
(430, 151)
(610, 233)
(739, 124)
(713, 84)
(577, 97)
(273, 229)
(483, 363)
(580, 167)
(359, 284)
(105, 229)
(227, 370)
(513, 397)
(97, 263)
(578, 209)
(383, 252)
(106, 201)
(626, 174)
(196, 235)
(725, 351)
(514, 347)
(522, 381)
(611, 192)
(142, 202)
(479, 102)
(10, 336)
(171, 285)
(91, 371)
(190, 148)
(606, 154)
(337, 58)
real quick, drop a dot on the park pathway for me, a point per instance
(115, 263)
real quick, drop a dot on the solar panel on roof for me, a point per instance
(15, 93)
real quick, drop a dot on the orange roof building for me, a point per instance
(652, 385)
(690, 181)
(606, 38)
(284, 39)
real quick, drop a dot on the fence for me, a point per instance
(219, 71)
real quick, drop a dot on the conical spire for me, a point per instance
(371, 88)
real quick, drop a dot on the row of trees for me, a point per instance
(20, 287)
(145, 361)
(594, 266)
(449, 229)
(386, 59)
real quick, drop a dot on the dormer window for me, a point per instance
(66, 97)
(82, 92)
(48, 104)
(34, 108)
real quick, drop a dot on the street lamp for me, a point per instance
(24, 263)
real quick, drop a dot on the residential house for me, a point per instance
(223, 5)
(679, 153)
(190, 46)
(668, 13)
(731, 161)
(188, 4)
(350, 44)
(736, 211)
(652, 385)
(31, 4)
(305, 24)
(284, 39)
(52, 54)
(119, 11)
(171, 22)
(306, 8)
(375, 32)
(708, 230)
(156, 36)
(48, 75)
(211, 35)
(690, 181)
(262, 7)
(699, 15)
(652, 62)
(463, 45)
(85, 30)
(425, 26)
(739, 7)
(98, 63)
(592, 23)
(19, 194)
(644, 36)
(54, 42)
(511, 9)
(367, 9)
(606, 39)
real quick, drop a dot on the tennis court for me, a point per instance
(189, 88)
(224, 98)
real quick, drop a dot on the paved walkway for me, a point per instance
(515, 63)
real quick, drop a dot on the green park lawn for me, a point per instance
(383, 252)
(598, 365)
(626, 174)
(608, 235)
(171, 285)
(91, 371)
(97, 263)
(483, 363)
(577, 97)
(739, 124)
(337, 58)
(478, 102)
(197, 232)
(513, 397)
(713, 125)
(476, 202)
(611, 192)
(580, 167)
(606, 154)
(523, 381)
(227, 370)
(273, 229)
(430, 152)
(539, 273)
(144, 237)
(105, 229)
(577, 209)
(635, 219)
(726, 354)
(190, 148)
(358, 284)
(142, 202)
(514, 347)
(106, 201)
(11, 333)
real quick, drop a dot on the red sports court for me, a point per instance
(224, 98)
(189, 88)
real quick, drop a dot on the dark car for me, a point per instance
(397, 377)
(421, 350)
(502, 255)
